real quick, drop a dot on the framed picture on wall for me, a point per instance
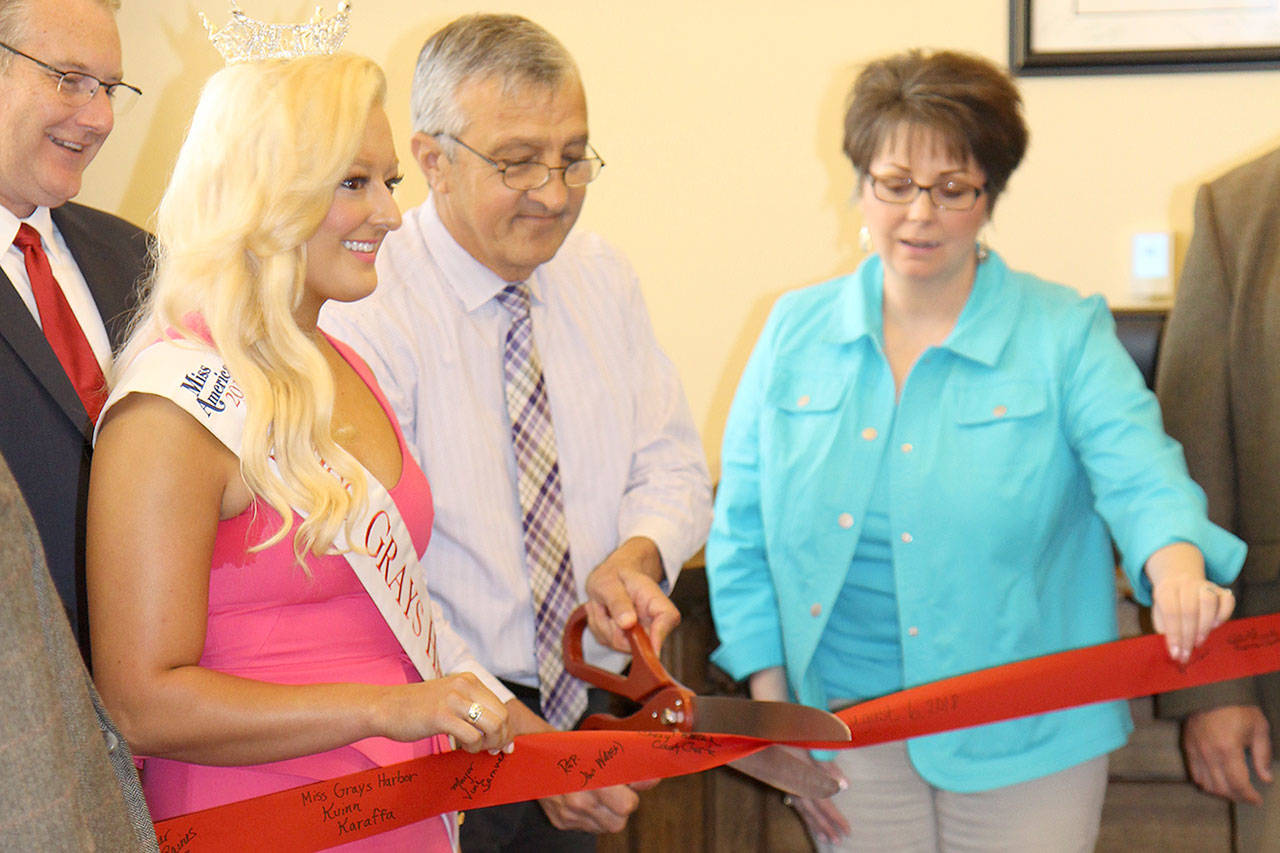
(1142, 36)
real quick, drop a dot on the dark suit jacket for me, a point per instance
(1219, 387)
(44, 430)
(69, 781)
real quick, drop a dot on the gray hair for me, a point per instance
(13, 23)
(514, 49)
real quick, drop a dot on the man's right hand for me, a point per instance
(1215, 742)
(602, 810)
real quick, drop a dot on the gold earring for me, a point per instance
(864, 240)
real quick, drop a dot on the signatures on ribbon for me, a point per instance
(680, 742)
(474, 782)
(587, 769)
(913, 708)
(1253, 639)
(932, 706)
(344, 804)
(178, 844)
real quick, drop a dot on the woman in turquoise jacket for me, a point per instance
(923, 472)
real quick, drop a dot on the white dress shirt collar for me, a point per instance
(40, 219)
(65, 271)
(473, 282)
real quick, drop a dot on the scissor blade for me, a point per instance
(787, 772)
(730, 715)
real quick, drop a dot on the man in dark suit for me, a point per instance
(1219, 387)
(65, 270)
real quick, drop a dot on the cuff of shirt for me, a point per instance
(740, 661)
(670, 540)
(1183, 703)
(1223, 552)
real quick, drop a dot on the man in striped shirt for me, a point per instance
(500, 131)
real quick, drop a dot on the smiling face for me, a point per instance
(919, 243)
(341, 253)
(509, 231)
(45, 145)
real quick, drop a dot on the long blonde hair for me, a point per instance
(268, 145)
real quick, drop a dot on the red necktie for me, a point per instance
(61, 328)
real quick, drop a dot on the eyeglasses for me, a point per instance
(78, 88)
(531, 175)
(948, 195)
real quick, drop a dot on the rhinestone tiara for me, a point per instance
(244, 39)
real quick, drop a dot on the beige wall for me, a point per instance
(720, 121)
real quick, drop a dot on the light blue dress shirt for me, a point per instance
(631, 461)
(1018, 450)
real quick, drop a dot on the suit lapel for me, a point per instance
(110, 286)
(106, 269)
(22, 334)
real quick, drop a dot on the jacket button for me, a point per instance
(113, 742)
(906, 537)
(913, 631)
(1000, 411)
(908, 447)
(815, 610)
(869, 434)
(845, 520)
(803, 401)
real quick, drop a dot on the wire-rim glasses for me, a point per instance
(77, 88)
(529, 175)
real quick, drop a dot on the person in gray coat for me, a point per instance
(69, 778)
(1219, 387)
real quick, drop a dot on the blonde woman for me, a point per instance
(259, 618)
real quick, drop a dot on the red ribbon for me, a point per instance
(324, 814)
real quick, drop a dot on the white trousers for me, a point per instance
(891, 808)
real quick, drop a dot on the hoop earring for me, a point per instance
(864, 240)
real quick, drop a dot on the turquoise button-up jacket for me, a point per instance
(1018, 451)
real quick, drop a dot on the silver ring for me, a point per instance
(474, 712)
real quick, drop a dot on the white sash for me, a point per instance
(197, 380)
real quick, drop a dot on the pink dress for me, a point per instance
(268, 621)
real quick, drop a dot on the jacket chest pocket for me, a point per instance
(806, 393)
(1002, 427)
(999, 402)
(803, 414)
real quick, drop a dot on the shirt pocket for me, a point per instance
(802, 423)
(998, 403)
(801, 393)
(808, 473)
(1002, 436)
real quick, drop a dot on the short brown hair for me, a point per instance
(971, 103)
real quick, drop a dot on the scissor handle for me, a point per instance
(669, 709)
(647, 674)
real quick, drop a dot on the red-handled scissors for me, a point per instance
(667, 705)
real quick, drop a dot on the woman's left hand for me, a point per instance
(1185, 605)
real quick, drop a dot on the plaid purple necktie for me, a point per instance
(546, 539)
